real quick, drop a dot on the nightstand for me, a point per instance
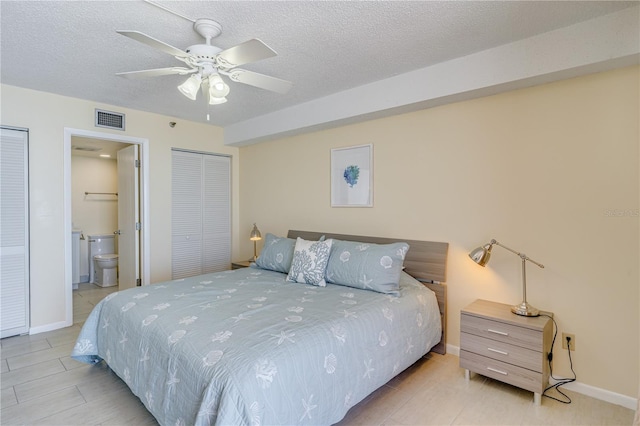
(241, 264)
(510, 348)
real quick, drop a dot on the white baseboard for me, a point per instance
(592, 391)
(601, 394)
(453, 350)
(49, 327)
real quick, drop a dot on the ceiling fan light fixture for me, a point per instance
(191, 86)
(217, 101)
(217, 87)
(208, 62)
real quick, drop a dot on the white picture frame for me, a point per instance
(352, 176)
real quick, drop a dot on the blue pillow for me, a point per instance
(310, 262)
(367, 266)
(276, 254)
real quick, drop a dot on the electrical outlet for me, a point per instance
(572, 344)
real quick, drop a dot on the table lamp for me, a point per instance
(481, 256)
(255, 237)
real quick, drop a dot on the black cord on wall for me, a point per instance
(559, 381)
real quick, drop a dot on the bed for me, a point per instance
(250, 347)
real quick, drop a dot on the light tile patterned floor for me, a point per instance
(42, 385)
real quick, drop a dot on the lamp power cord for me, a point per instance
(559, 380)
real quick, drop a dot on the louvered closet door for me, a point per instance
(200, 221)
(14, 233)
(216, 218)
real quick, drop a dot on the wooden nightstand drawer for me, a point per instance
(505, 352)
(508, 373)
(502, 332)
(511, 348)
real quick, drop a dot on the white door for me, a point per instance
(186, 214)
(14, 232)
(216, 213)
(128, 217)
(200, 213)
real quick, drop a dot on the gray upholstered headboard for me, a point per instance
(425, 261)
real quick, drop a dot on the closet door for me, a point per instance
(14, 232)
(216, 213)
(200, 213)
(186, 214)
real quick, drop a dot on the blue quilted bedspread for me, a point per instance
(245, 347)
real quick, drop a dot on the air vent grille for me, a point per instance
(109, 119)
(85, 148)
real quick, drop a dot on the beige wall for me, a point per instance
(46, 116)
(551, 171)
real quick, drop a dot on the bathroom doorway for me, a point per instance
(92, 200)
(95, 197)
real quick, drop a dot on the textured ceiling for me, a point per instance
(324, 47)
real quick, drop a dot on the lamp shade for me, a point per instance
(216, 101)
(481, 255)
(255, 234)
(217, 87)
(191, 86)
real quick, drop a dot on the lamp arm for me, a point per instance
(523, 256)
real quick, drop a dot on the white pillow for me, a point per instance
(310, 262)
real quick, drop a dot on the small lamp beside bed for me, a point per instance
(255, 237)
(481, 256)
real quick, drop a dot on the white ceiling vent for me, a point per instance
(85, 148)
(109, 119)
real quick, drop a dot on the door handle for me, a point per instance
(117, 232)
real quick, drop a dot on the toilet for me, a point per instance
(103, 260)
(106, 269)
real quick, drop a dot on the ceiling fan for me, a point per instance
(206, 62)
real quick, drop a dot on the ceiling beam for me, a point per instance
(607, 42)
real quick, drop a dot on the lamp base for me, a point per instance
(526, 310)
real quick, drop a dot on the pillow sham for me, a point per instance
(310, 262)
(367, 266)
(276, 254)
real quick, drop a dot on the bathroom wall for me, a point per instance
(93, 214)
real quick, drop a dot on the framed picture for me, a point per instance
(352, 176)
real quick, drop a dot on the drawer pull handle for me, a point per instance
(498, 351)
(502, 333)
(497, 371)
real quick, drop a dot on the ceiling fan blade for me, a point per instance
(260, 80)
(250, 51)
(156, 44)
(156, 72)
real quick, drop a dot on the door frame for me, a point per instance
(144, 207)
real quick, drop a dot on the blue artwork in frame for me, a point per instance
(352, 176)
